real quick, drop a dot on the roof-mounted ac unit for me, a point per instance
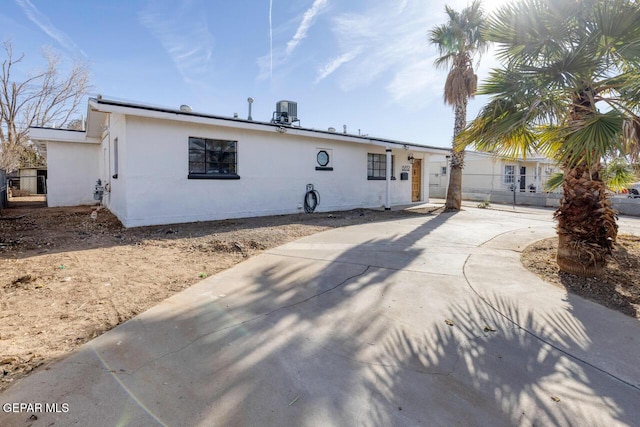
(286, 113)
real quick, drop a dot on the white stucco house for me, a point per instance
(161, 166)
(486, 172)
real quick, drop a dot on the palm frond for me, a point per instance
(616, 24)
(526, 33)
(548, 104)
(444, 62)
(502, 128)
(460, 35)
(551, 139)
(501, 82)
(622, 91)
(618, 175)
(554, 182)
(590, 139)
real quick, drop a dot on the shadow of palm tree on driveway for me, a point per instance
(347, 329)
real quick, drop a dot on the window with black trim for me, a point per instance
(377, 166)
(323, 159)
(213, 159)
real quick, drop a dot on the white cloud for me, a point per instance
(336, 63)
(394, 47)
(43, 22)
(184, 35)
(270, 39)
(415, 84)
(279, 56)
(304, 26)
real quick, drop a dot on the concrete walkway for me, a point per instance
(423, 321)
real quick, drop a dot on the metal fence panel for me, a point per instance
(529, 188)
(530, 191)
(491, 183)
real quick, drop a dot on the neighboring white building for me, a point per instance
(161, 166)
(486, 172)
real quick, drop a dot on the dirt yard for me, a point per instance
(618, 288)
(66, 277)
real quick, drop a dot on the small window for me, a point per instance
(115, 159)
(212, 159)
(324, 159)
(444, 170)
(509, 174)
(377, 166)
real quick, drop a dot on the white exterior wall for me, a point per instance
(115, 196)
(72, 173)
(482, 173)
(274, 170)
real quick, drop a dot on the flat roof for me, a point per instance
(107, 105)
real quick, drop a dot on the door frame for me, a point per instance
(416, 166)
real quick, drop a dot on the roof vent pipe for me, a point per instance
(185, 108)
(250, 101)
(344, 128)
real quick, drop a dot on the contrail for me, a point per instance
(270, 41)
(307, 21)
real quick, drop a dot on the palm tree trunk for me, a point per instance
(587, 225)
(454, 192)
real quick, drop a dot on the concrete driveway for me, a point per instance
(423, 321)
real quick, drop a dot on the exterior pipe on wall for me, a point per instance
(387, 205)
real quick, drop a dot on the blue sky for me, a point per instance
(363, 63)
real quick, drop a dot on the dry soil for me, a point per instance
(69, 274)
(619, 286)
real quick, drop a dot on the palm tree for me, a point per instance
(458, 41)
(569, 86)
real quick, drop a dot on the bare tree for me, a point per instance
(76, 124)
(46, 98)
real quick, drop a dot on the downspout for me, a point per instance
(387, 205)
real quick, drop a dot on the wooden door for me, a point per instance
(416, 180)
